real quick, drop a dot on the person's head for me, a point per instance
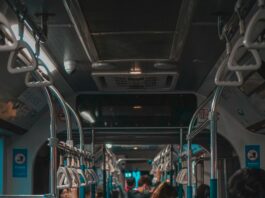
(144, 184)
(69, 193)
(99, 193)
(164, 190)
(203, 191)
(247, 183)
(130, 183)
(144, 180)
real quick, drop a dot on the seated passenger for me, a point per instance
(164, 190)
(144, 189)
(247, 183)
(69, 193)
(203, 191)
(130, 184)
(99, 193)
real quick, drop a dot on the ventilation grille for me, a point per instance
(136, 83)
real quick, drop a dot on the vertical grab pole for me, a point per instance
(104, 172)
(82, 191)
(213, 146)
(93, 186)
(180, 187)
(225, 178)
(171, 165)
(52, 143)
(189, 166)
(189, 152)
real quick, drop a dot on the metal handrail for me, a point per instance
(230, 83)
(213, 131)
(5, 27)
(258, 16)
(233, 65)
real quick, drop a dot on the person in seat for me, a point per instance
(247, 183)
(203, 191)
(144, 189)
(164, 190)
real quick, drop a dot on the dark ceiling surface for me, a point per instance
(135, 30)
(124, 32)
(145, 110)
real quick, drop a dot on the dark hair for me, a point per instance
(130, 181)
(247, 183)
(145, 179)
(164, 190)
(203, 191)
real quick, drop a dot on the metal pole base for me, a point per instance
(180, 191)
(213, 188)
(82, 190)
(189, 192)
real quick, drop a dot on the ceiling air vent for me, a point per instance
(122, 81)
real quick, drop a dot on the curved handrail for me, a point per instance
(65, 110)
(219, 73)
(233, 65)
(248, 38)
(5, 28)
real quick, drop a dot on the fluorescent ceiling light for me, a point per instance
(31, 41)
(137, 107)
(109, 146)
(135, 70)
(87, 117)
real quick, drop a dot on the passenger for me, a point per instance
(69, 193)
(203, 191)
(100, 193)
(144, 189)
(164, 190)
(157, 178)
(247, 183)
(130, 184)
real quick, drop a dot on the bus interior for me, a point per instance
(95, 94)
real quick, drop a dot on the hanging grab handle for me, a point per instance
(24, 52)
(221, 71)
(30, 63)
(83, 179)
(63, 176)
(233, 65)
(249, 42)
(40, 79)
(8, 36)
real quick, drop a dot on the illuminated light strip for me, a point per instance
(87, 116)
(31, 41)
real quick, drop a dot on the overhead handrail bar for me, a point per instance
(22, 45)
(10, 40)
(249, 42)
